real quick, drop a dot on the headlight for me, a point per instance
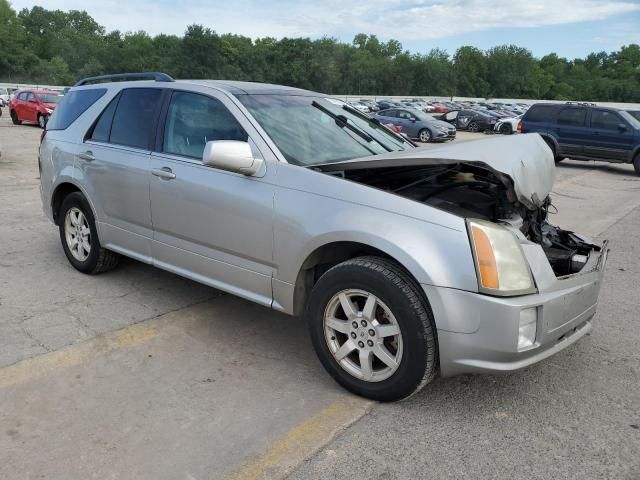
(49, 110)
(500, 263)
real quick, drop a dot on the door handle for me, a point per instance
(164, 173)
(88, 156)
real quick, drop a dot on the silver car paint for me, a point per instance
(251, 235)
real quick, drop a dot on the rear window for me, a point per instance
(539, 113)
(134, 116)
(72, 105)
(572, 116)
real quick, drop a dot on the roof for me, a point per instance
(237, 87)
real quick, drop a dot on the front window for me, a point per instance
(315, 130)
(49, 97)
(193, 120)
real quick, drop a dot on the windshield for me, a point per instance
(634, 120)
(312, 130)
(49, 97)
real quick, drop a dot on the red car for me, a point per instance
(33, 106)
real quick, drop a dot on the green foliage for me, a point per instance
(56, 47)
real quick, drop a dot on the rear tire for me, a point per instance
(557, 158)
(14, 118)
(636, 164)
(392, 346)
(79, 237)
(506, 129)
(473, 127)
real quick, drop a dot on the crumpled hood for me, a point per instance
(525, 159)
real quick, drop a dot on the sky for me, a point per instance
(570, 28)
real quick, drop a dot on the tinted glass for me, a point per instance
(605, 120)
(72, 105)
(572, 116)
(22, 96)
(539, 113)
(404, 114)
(102, 127)
(388, 113)
(193, 120)
(134, 116)
(30, 96)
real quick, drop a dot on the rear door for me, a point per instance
(115, 163)
(208, 224)
(572, 130)
(612, 137)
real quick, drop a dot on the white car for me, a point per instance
(360, 107)
(507, 126)
(4, 96)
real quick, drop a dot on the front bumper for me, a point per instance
(444, 135)
(478, 333)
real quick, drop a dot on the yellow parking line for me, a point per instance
(76, 354)
(303, 440)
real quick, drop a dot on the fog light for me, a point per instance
(527, 329)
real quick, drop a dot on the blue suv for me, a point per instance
(585, 132)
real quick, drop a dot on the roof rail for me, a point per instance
(157, 76)
(586, 104)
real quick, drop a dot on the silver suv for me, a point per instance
(404, 261)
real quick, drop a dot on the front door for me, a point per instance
(210, 225)
(612, 137)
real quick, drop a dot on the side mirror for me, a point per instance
(232, 156)
(622, 127)
(413, 120)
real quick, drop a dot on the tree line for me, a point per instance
(55, 47)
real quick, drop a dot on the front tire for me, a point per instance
(424, 135)
(473, 127)
(42, 121)
(636, 164)
(14, 118)
(372, 329)
(79, 237)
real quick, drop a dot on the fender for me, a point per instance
(65, 179)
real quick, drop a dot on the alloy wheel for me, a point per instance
(77, 234)
(363, 335)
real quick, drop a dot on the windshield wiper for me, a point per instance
(378, 125)
(342, 122)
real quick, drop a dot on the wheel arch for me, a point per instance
(547, 136)
(61, 191)
(327, 256)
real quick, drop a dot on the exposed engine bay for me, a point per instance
(475, 190)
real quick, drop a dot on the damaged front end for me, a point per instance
(514, 194)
